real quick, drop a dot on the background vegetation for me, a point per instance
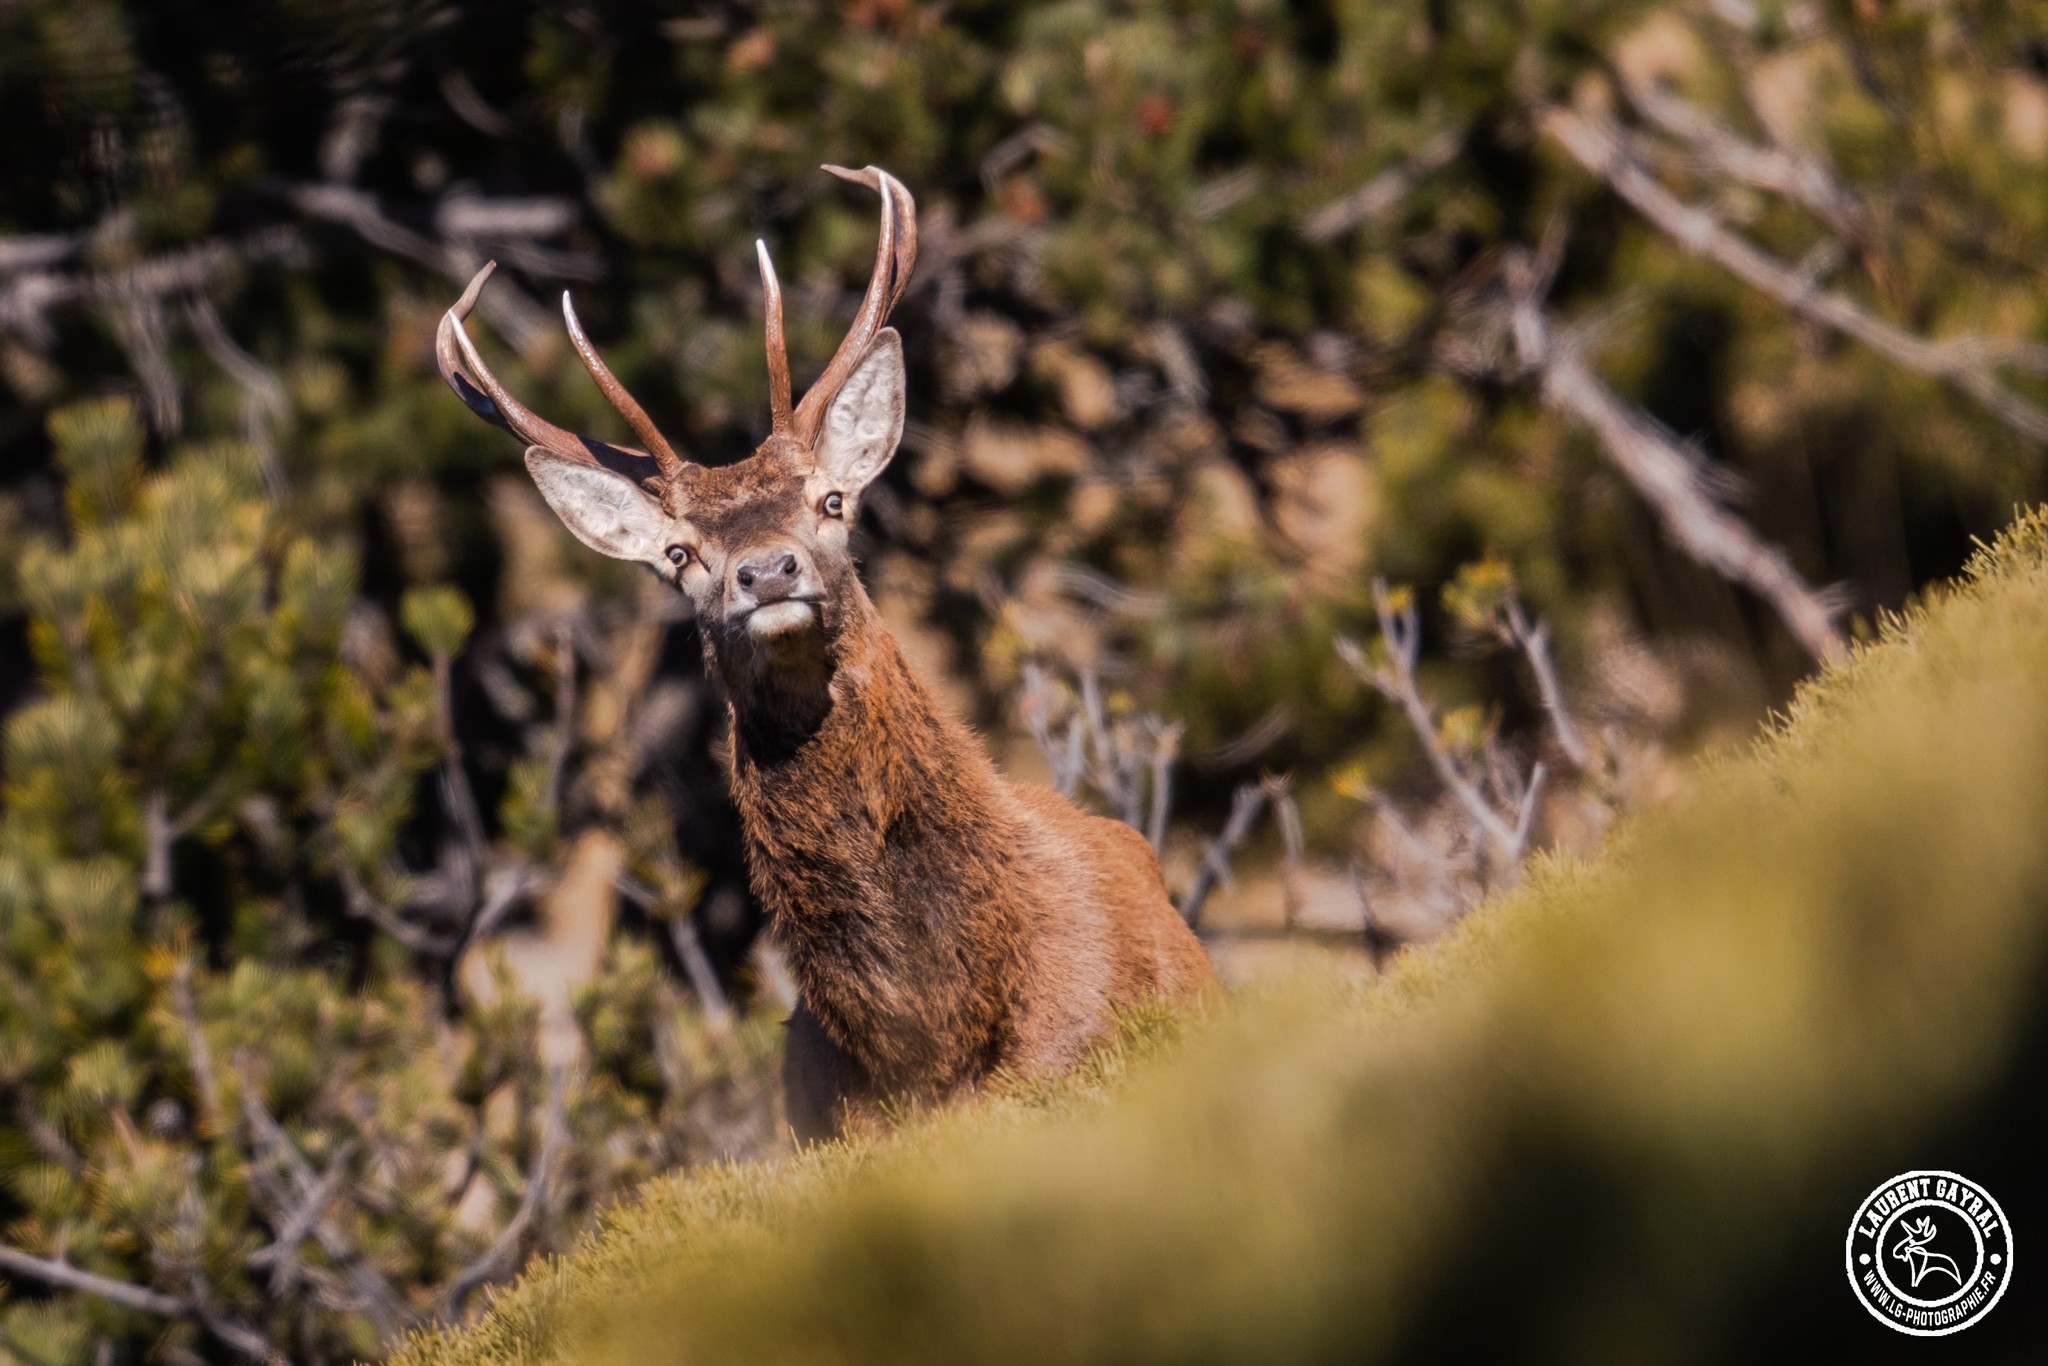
(1455, 409)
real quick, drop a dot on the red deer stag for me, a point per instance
(943, 924)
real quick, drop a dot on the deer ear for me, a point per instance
(865, 420)
(607, 512)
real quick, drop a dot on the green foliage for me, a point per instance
(182, 1055)
(440, 619)
(1133, 279)
(1661, 1080)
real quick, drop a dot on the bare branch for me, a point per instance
(471, 107)
(1246, 805)
(156, 858)
(1395, 681)
(689, 945)
(128, 1295)
(387, 1309)
(1526, 816)
(1533, 640)
(492, 1264)
(1672, 482)
(1384, 192)
(45, 1136)
(1966, 362)
(298, 1224)
(1099, 590)
(65, 1276)
(522, 322)
(1379, 941)
(456, 794)
(139, 326)
(1165, 749)
(506, 884)
(773, 968)
(37, 252)
(358, 901)
(1106, 771)
(1294, 846)
(28, 297)
(266, 407)
(1799, 177)
(1259, 737)
(203, 1307)
(196, 1050)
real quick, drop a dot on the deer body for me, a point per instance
(943, 924)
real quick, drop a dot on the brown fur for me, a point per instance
(944, 925)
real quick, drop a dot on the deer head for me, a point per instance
(1913, 1237)
(759, 545)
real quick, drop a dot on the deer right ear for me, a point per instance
(607, 512)
(865, 420)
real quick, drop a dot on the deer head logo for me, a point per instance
(1912, 1250)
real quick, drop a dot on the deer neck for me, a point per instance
(880, 842)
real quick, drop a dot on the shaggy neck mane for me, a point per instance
(881, 844)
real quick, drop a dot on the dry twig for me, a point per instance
(1670, 479)
(1247, 804)
(1969, 363)
(1381, 194)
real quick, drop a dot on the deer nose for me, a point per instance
(769, 577)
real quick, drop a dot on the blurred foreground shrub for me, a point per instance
(1625, 1115)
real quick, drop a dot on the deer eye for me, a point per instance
(679, 555)
(834, 505)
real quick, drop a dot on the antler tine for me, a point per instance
(449, 360)
(895, 255)
(778, 348)
(455, 355)
(665, 458)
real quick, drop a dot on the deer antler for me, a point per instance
(895, 255)
(457, 358)
(629, 408)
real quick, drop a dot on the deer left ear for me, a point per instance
(865, 421)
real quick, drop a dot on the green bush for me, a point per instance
(228, 1087)
(1625, 1115)
(1141, 343)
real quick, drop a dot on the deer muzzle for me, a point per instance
(773, 592)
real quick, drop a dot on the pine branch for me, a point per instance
(387, 1309)
(493, 1262)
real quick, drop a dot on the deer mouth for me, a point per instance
(780, 618)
